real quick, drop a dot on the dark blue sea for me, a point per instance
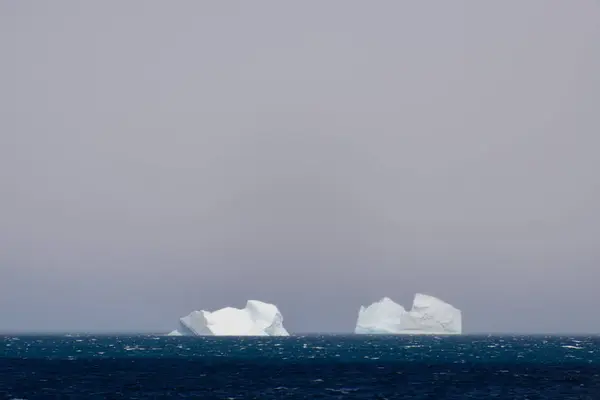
(300, 367)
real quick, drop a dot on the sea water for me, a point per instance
(300, 367)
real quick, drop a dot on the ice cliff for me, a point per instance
(428, 315)
(256, 319)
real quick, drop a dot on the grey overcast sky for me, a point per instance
(159, 157)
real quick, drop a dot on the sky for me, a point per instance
(158, 158)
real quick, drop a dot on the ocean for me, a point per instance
(300, 367)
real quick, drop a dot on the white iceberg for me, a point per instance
(256, 319)
(428, 315)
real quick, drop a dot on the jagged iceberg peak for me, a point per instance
(256, 319)
(428, 315)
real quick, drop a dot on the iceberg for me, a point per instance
(428, 315)
(256, 319)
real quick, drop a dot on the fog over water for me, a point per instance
(157, 158)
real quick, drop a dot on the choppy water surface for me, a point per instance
(300, 367)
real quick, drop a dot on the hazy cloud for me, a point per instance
(158, 158)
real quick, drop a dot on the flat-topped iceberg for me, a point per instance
(256, 319)
(428, 315)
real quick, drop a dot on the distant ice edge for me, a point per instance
(428, 316)
(256, 319)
